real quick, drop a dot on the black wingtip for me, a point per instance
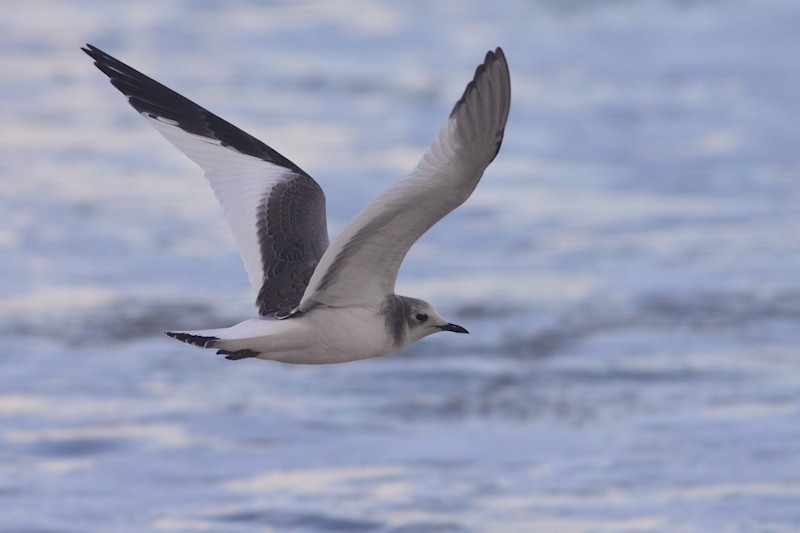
(491, 56)
(154, 99)
(494, 59)
(498, 54)
(93, 52)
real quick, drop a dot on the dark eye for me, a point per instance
(421, 317)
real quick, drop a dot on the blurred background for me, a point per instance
(628, 269)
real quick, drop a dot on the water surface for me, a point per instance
(627, 269)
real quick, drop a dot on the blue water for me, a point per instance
(628, 269)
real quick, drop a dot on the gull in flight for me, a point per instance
(319, 303)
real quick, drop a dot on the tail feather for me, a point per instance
(238, 354)
(197, 340)
(244, 340)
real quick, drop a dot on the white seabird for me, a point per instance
(319, 303)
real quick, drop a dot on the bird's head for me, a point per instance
(420, 319)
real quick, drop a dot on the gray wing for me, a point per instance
(360, 267)
(275, 210)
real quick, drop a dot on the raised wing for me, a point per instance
(361, 265)
(275, 210)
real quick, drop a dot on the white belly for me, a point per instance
(323, 335)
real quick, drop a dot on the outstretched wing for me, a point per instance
(361, 265)
(275, 210)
